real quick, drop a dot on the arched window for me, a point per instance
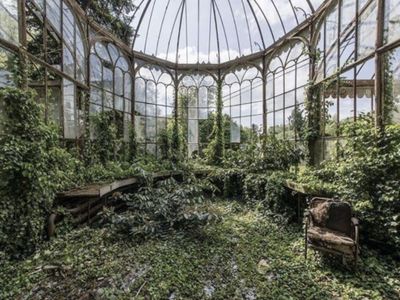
(286, 80)
(111, 85)
(243, 103)
(197, 94)
(154, 106)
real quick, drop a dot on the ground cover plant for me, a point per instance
(247, 255)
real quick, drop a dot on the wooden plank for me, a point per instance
(86, 191)
(101, 189)
(97, 190)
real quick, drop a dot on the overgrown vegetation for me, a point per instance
(107, 142)
(166, 205)
(33, 168)
(247, 255)
(366, 173)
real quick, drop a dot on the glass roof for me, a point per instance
(214, 31)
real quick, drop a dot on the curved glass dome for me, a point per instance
(214, 31)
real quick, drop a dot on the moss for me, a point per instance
(220, 262)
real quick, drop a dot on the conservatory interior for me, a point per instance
(187, 149)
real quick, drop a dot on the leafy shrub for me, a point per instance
(367, 174)
(167, 205)
(254, 186)
(33, 168)
(272, 154)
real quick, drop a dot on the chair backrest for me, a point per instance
(332, 214)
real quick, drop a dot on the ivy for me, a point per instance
(34, 167)
(216, 147)
(106, 136)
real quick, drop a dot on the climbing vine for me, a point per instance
(33, 168)
(106, 139)
(216, 147)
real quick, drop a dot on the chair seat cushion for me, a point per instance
(330, 239)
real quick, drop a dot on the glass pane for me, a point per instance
(245, 110)
(257, 124)
(151, 92)
(127, 126)
(9, 20)
(203, 93)
(193, 131)
(392, 84)
(257, 108)
(119, 103)
(392, 20)
(53, 13)
(54, 104)
(289, 126)
(127, 86)
(119, 82)
(150, 110)
(367, 31)
(270, 123)
(161, 111)
(246, 92)
(68, 26)
(96, 96)
(7, 60)
(365, 88)
(235, 130)
(161, 94)
(108, 100)
(95, 70)
(68, 62)
(140, 108)
(140, 90)
(107, 78)
(150, 129)
(140, 128)
(279, 123)
(331, 116)
(69, 109)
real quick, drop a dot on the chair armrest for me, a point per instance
(307, 218)
(355, 222)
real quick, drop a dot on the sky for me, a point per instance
(191, 31)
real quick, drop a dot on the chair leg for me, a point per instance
(305, 241)
(305, 248)
(356, 258)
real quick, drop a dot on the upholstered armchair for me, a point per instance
(330, 227)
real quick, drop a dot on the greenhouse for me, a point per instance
(187, 149)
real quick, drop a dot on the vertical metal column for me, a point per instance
(264, 96)
(23, 82)
(379, 78)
